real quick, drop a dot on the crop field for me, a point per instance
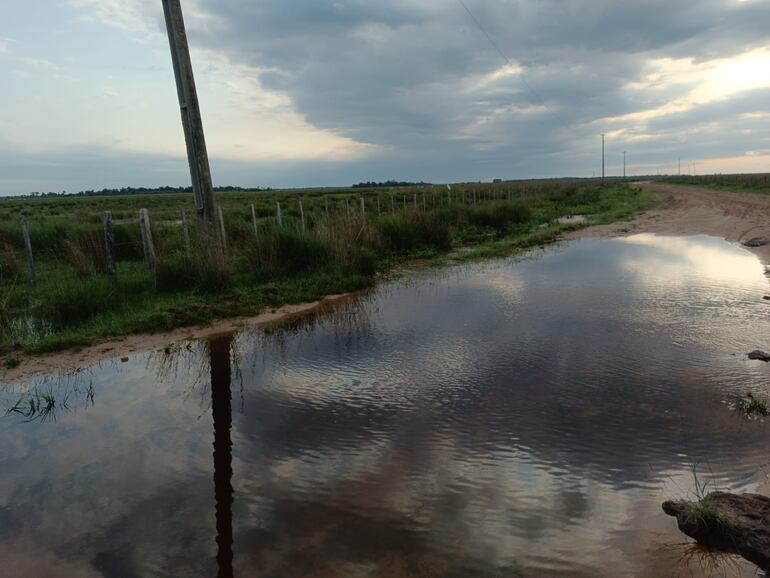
(326, 241)
(753, 183)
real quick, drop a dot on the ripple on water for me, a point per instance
(520, 417)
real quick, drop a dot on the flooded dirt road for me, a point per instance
(688, 210)
(513, 418)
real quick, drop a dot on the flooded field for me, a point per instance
(512, 418)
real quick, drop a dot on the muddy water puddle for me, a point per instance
(512, 418)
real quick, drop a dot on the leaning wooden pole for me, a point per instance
(192, 122)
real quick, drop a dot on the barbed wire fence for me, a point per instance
(91, 248)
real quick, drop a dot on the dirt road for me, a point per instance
(684, 210)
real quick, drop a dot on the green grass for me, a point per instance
(752, 406)
(711, 526)
(75, 304)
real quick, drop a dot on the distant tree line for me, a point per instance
(142, 191)
(372, 184)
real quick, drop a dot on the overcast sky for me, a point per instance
(314, 92)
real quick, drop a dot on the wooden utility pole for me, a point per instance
(603, 158)
(192, 123)
(624, 164)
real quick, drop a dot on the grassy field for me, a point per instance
(749, 183)
(340, 249)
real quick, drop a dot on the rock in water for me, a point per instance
(757, 242)
(759, 355)
(729, 522)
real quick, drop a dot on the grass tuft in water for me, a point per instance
(38, 406)
(752, 406)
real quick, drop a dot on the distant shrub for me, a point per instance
(176, 272)
(82, 263)
(499, 215)
(434, 230)
(284, 251)
(402, 233)
(9, 264)
(72, 301)
(362, 261)
(398, 234)
(574, 197)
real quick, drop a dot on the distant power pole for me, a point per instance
(602, 158)
(192, 123)
(680, 167)
(624, 164)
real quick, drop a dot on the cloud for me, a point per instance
(417, 75)
(5, 44)
(413, 89)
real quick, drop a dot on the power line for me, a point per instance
(508, 61)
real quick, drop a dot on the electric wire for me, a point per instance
(508, 61)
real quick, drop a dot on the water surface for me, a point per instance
(513, 418)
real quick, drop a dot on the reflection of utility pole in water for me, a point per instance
(221, 410)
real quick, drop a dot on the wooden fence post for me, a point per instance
(109, 245)
(278, 213)
(186, 232)
(302, 215)
(254, 218)
(222, 230)
(363, 208)
(147, 244)
(414, 199)
(28, 247)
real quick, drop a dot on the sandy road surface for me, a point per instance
(684, 210)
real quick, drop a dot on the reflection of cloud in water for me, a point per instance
(505, 282)
(679, 258)
(701, 289)
(512, 419)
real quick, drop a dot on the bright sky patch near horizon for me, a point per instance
(312, 93)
